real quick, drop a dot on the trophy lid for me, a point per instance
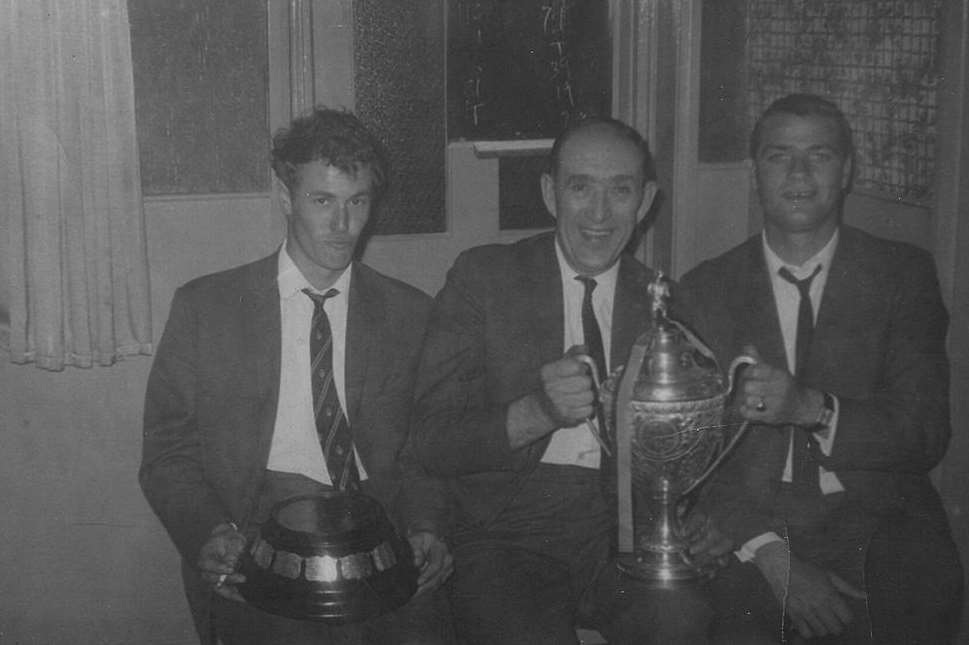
(678, 366)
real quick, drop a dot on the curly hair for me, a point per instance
(335, 137)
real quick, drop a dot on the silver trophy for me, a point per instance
(665, 410)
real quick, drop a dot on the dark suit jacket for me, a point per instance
(878, 345)
(497, 320)
(212, 392)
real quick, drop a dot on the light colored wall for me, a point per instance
(83, 559)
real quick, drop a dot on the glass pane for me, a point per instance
(399, 85)
(200, 74)
(525, 68)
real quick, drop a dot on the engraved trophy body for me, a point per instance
(665, 410)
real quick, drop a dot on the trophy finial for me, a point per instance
(659, 292)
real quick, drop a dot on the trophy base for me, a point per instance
(662, 570)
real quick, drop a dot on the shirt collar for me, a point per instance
(605, 281)
(291, 280)
(822, 257)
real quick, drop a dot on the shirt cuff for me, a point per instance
(747, 552)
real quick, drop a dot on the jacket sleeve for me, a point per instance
(171, 474)
(904, 425)
(422, 502)
(459, 427)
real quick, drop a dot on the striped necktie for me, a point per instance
(331, 422)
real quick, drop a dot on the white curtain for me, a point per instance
(71, 218)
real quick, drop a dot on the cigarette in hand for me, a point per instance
(222, 577)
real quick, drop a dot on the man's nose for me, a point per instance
(799, 165)
(601, 207)
(341, 219)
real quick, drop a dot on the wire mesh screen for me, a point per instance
(878, 61)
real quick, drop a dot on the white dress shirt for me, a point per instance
(576, 446)
(787, 299)
(295, 446)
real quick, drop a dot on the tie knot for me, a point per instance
(803, 285)
(319, 298)
(587, 282)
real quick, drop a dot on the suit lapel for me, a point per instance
(756, 323)
(364, 315)
(755, 314)
(630, 311)
(261, 340)
(841, 294)
(543, 298)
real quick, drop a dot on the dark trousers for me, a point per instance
(422, 621)
(908, 568)
(543, 566)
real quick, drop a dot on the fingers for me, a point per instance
(568, 389)
(229, 592)
(219, 557)
(846, 588)
(433, 560)
(816, 604)
(766, 394)
(751, 350)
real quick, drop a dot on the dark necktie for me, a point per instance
(590, 327)
(804, 469)
(593, 345)
(331, 423)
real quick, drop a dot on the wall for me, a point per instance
(83, 558)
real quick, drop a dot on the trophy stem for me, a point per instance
(659, 552)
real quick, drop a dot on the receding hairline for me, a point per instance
(598, 130)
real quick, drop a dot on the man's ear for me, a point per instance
(283, 195)
(548, 193)
(649, 194)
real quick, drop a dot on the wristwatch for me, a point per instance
(827, 411)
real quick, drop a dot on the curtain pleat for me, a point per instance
(75, 254)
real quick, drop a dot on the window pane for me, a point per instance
(200, 72)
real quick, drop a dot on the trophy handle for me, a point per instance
(735, 364)
(597, 383)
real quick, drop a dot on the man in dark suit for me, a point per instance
(841, 535)
(502, 413)
(235, 421)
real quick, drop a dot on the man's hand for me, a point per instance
(768, 394)
(708, 548)
(566, 399)
(812, 597)
(219, 558)
(432, 558)
(568, 390)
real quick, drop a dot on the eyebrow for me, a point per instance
(613, 178)
(324, 193)
(812, 148)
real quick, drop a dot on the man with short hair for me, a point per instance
(506, 411)
(293, 375)
(842, 535)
